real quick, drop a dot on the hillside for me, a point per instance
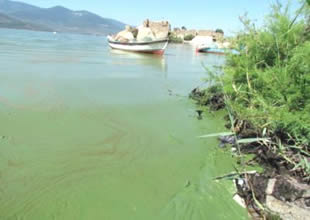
(9, 22)
(60, 19)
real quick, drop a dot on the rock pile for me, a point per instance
(148, 31)
(160, 29)
(125, 35)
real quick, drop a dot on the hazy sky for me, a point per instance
(204, 14)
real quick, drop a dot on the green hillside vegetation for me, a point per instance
(189, 37)
(9, 22)
(59, 19)
(174, 39)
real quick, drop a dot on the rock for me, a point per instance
(134, 31)
(288, 198)
(145, 34)
(287, 189)
(217, 101)
(306, 192)
(239, 200)
(160, 29)
(121, 39)
(125, 35)
(270, 186)
(229, 139)
(259, 184)
(153, 30)
(199, 112)
(197, 94)
(287, 211)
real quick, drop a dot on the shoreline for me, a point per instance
(280, 190)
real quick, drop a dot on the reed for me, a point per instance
(267, 85)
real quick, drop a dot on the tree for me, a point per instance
(184, 28)
(219, 31)
(189, 37)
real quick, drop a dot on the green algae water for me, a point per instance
(88, 133)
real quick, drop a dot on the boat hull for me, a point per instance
(211, 50)
(155, 47)
(219, 51)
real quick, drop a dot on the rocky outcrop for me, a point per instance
(125, 35)
(145, 33)
(160, 29)
(148, 31)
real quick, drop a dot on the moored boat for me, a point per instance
(154, 46)
(214, 50)
(206, 49)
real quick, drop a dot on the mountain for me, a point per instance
(60, 19)
(9, 22)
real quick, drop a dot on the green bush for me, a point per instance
(268, 83)
(219, 31)
(175, 39)
(189, 37)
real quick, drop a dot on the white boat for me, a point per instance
(215, 50)
(155, 46)
(207, 49)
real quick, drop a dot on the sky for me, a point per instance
(193, 14)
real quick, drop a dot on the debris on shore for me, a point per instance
(282, 190)
(280, 195)
(215, 101)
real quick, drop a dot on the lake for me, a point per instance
(90, 133)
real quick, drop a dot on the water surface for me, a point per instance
(90, 133)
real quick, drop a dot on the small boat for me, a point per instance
(155, 46)
(215, 50)
(207, 49)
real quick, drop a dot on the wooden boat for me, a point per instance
(155, 47)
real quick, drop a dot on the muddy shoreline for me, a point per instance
(281, 190)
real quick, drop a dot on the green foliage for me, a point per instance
(273, 217)
(189, 37)
(219, 31)
(174, 39)
(268, 83)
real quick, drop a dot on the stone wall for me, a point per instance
(181, 33)
(159, 28)
(148, 31)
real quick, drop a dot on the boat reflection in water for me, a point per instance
(131, 58)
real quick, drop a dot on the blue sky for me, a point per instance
(198, 14)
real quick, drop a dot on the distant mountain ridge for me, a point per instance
(9, 22)
(59, 19)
